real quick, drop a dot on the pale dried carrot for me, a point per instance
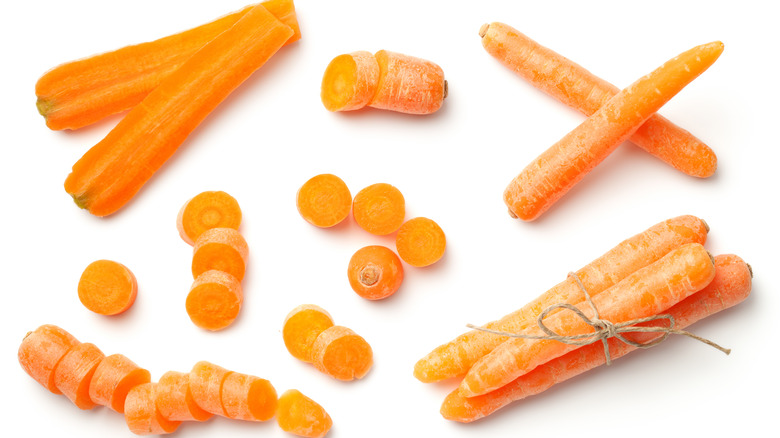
(141, 413)
(324, 200)
(301, 327)
(221, 249)
(375, 272)
(420, 242)
(214, 300)
(342, 354)
(174, 398)
(74, 373)
(207, 210)
(113, 379)
(379, 208)
(107, 287)
(302, 416)
(42, 350)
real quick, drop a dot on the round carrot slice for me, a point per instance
(207, 210)
(379, 209)
(249, 398)
(342, 354)
(74, 373)
(302, 416)
(324, 200)
(221, 249)
(420, 242)
(141, 414)
(174, 399)
(375, 272)
(301, 327)
(40, 352)
(114, 377)
(107, 287)
(350, 81)
(214, 300)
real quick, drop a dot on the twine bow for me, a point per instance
(604, 329)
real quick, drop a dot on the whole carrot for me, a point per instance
(731, 285)
(580, 89)
(113, 170)
(455, 357)
(548, 177)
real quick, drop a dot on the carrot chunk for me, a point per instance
(174, 399)
(408, 84)
(249, 398)
(379, 209)
(350, 81)
(299, 415)
(206, 380)
(141, 413)
(342, 354)
(74, 373)
(114, 377)
(107, 287)
(207, 210)
(420, 242)
(221, 249)
(301, 327)
(375, 272)
(214, 300)
(42, 350)
(324, 200)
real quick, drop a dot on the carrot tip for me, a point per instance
(750, 269)
(483, 30)
(706, 225)
(446, 90)
(512, 214)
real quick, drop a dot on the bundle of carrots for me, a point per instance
(664, 270)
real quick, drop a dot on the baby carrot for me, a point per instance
(141, 413)
(580, 89)
(455, 357)
(222, 249)
(731, 285)
(206, 380)
(107, 287)
(379, 209)
(113, 170)
(375, 272)
(114, 376)
(174, 399)
(42, 350)
(249, 398)
(74, 373)
(342, 354)
(408, 84)
(560, 167)
(420, 242)
(324, 200)
(207, 210)
(302, 416)
(350, 81)
(79, 93)
(301, 327)
(214, 300)
(646, 292)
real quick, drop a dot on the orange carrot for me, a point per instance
(78, 93)
(645, 293)
(301, 327)
(578, 88)
(74, 373)
(206, 380)
(375, 272)
(112, 171)
(420, 242)
(114, 376)
(214, 300)
(731, 285)
(174, 400)
(42, 350)
(302, 416)
(324, 200)
(408, 84)
(141, 414)
(107, 287)
(222, 249)
(248, 398)
(350, 81)
(342, 354)
(379, 209)
(454, 358)
(560, 167)
(207, 210)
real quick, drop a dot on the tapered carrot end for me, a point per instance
(483, 30)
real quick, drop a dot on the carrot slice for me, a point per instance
(221, 249)
(107, 287)
(350, 81)
(379, 209)
(324, 200)
(114, 377)
(375, 272)
(207, 210)
(40, 352)
(113, 171)
(79, 93)
(302, 416)
(249, 398)
(74, 373)
(408, 84)
(342, 354)
(141, 414)
(214, 301)
(174, 399)
(420, 242)
(206, 380)
(301, 327)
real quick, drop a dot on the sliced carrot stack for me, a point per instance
(74, 373)
(342, 354)
(248, 398)
(114, 377)
(301, 327)
(42, 350)
(174, 399)
(207, 210)
(141, 413)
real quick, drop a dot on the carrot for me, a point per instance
(301, 327)
(107, 287)
(214, 300)
(408, 84)
(206, 380)
(222, 249)
(113, 170)
(207, 210)
(375, 272)
(114, 376)
(324, 200)
(141, 413)
(302, 416)
(646, 292)
(731, 285)
(342, 354)
(42, 350)
(74, 373)
(249, 398)
(580, 89)
(560, 167)
(379, 209)
(455, 357)
(174, 399)
(79, 93)
(350, 81)
(420, 242)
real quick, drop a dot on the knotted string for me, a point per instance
(603, 329)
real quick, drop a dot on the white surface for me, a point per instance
(273, 134)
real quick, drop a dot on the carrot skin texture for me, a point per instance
(398, 79)
(302, 416)
(580, 89)
(248, 398)
(116, 168)
(114, 377)
(206, 380)
(42, 350)
(174, 399)
(731, 285)
(141, 413)
(551, 175)
(74, 373)
(455, 357)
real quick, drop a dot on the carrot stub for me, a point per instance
(206, 380)
(350, 81)
(302, 416)
(375, 272)
(107, 287)
(207, 210)
(214, 300)
(74, 373)
(141, 413)
(174, 398)
(301, 327)
(342, 354)
(41, 351)
(248, 398)
(221, 249)
(113, 379)
(324, 200)
(420, 242)
(379, 209)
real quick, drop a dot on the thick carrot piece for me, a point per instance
(214, 300)
(221, 249)
(301, 327)
(302, 416)
(548, 177)
(342, 354)
(42, 350)
(408, 84)
(206, 380)
(731, 285)
(350, 81)
(174, 399)
(207, 210)
(645, 293)
(74, 373)
(248, 398)
(79, 93)
(578, 88)
(455, 357)
(114, 377)
(113, 171)
(107, 287)
(141, 413)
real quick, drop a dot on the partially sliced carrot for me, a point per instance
(350, 81)
(221, 249)
(207, 210)
(248, 398)
(107, 287)
(74, 373)
(301, 327)
(174, 398)
(40, 352)
(420, 242)
(206, 380)
(114, 377)
(342, 354)
(141, 414)
(302, 416)
(324, 200)
(214, 300)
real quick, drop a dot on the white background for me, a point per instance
(273, 134)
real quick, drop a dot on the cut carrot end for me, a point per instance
(324, 200)
(221, 249)
(301, 327)
(379, 209)
(107, 287)
(302, 416)
(42, 350)
(375, 272)
(420, 242)
(248, 398)
(342, 354)
(207, 210)
(114, 377)
(74, 373)
(214, 300)
(141, 413)
(350, 81)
